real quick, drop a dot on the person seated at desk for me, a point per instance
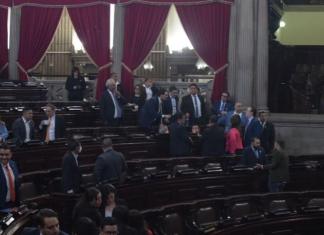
(213, 139)
(234, 142)
(75, 85)
(53, 127)
(23, 128)
(9, 179)
(48, 224)
(110, 165)
(71, 173)
(3, 132)
(180, 142)
(254, 154)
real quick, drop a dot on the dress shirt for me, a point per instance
(256, 152)
(222, 106)
(160, 106)
(196, 101)
(117, 113)
(7, 179)
(236, 113)
(149, 92)
(27, 128)
(76, 158)
(52, 128)
(174, 105)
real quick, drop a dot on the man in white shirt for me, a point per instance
(9, 179)
(149, 89)
(52, 128)
(23, 128)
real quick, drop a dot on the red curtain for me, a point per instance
(207, 27)
(143, 24)
(3, 42)
(91, 23)
(37, 28)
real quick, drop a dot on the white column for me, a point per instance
(232, 51)
(14, 42)
(117, 52)
(245, 51)
(261, 86)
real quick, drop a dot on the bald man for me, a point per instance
(111, 104)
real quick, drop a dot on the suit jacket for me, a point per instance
(251, 130)
(3, 184)
(229, 106)
(59, 128)
(110, 165)
(226, 121)
(213, 141)
(187, 106)
(71, 174)
(143, 91)
(167, 105)
(279, 167)
(267, 136)
(19, 131)
(149, 114)
(36, 231)
(180, 143)
(250, 159)
(107, 106)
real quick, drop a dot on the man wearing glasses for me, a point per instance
(9, 177)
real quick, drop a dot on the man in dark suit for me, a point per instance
(180, 142)
(252, 128)
(171, 104)
(148, 89)
(222, 106)
(152, 111)
(254, 154)
(53, 126)
(71, 174)
(193, 106)
(48, 224)
(213, 139)
(111, 104)
(23, 129)
(9, 179)
(110, 164)
(268, 132)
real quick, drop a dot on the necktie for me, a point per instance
(196, 106)
(11, 185)
(47, 138)
(160, 107)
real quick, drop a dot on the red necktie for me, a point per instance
(11, 184)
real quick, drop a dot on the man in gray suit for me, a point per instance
(110, 165)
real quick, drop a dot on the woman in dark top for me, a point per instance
(88, 206)
(138, 98)
(108, 200)
(75, 85)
